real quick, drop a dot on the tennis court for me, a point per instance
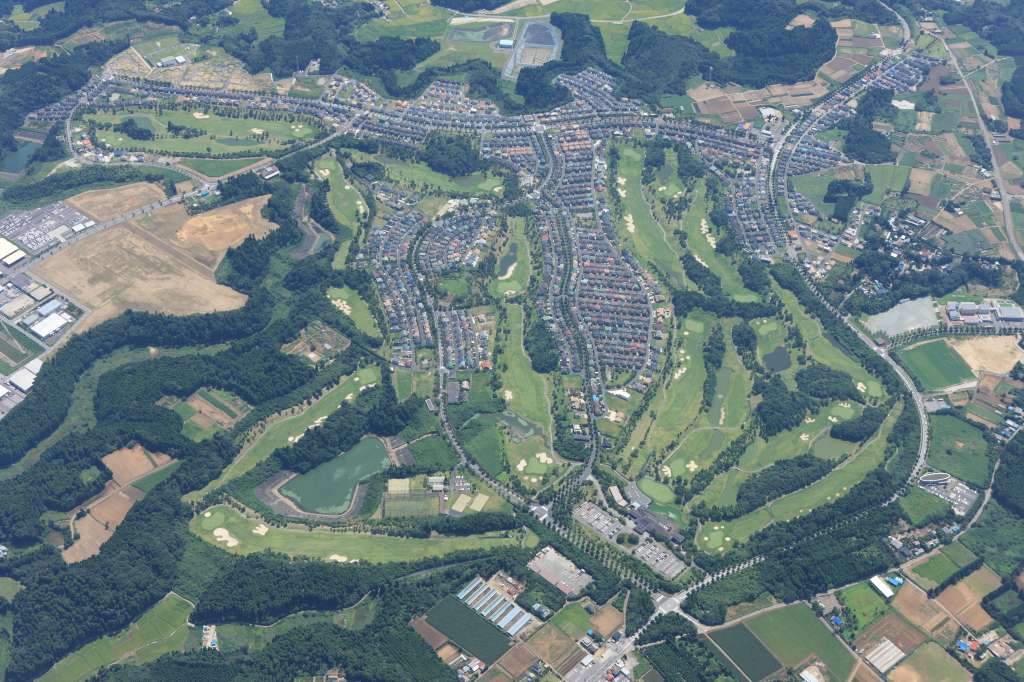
(411, 504)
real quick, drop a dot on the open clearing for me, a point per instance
(607, 620)
(551, 644)
(102, 519)
(930, 664)
(997, 354)
(116, 269)
(103, 204)
(321, 544)
(913, 602)
(794, 633)
(128, 464)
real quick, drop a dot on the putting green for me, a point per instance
(874, 389)
(694, 325)
(659, 492)
(842, 412)
(715, 539)
(766, 328)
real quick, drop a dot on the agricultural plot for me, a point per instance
(794, 634)
(933, 572)
(160, 630)
(252, 14)
(964, 599)
(896, 629)
(467, 629)
(746, 651)
(573, 620)
(225, 527)
(865, 602)
(930, 663)
(316, 342)
(936, 364)
(998, 538)
(958, 554)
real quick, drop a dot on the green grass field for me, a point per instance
(519, 278)
(958, 554)
(794, 633)
(360, 311)
(920, 505)
(892, 178)
(345, 200)
(865, 602)
(252, 14)
(959, 449)
(158, 631)
(827, 354)
(698, 243)
(526, 386)
(573, 620)
(215, 168)
(659, 492)
(421, 174)
(408, 383)
(230, 133)
(321, 544)
(998, 538)
(930, 662)
(932, 572)
(277, 435)
(936, 364)
(680, 398)
(9, 587)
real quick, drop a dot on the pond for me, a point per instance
(778, 360)
(469, 180)
(717, 438)
(508, 261)
(143, 122)
(15, 162)
(828, 447)
(520, 428)
(328, 488)
(840, 347)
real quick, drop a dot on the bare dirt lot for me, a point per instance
(996, 354)
(116, 269)
(896, 629)
(607, 620)
(432, 636)
(551, 644)
(99, 524)
(913, 603)
(104, 204)
(127, 464)
(920, 180)
(207, 408)
(518, 660)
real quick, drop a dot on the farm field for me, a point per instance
(215, 168)
(998, 538)
(794, 633)
(158, 631)
(114, 270)
(932, 572)
(959, 449)
(740, 644)
(277, 434)
(468, 629)
(929, 662)
(230, 134)
(958, 554)
(936, 364)
(325, 545)
(252, 14)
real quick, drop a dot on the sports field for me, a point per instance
(158, 631)
(740, 644)
(238, 534)
(573, 621)
(936, 364)
(794, 633)
(468, 629)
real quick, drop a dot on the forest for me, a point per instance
(451, 154)
(779, 479)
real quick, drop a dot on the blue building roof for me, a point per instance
(837, 620)
(962, 645)
(895, 581)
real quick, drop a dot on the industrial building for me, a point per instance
(935, 478)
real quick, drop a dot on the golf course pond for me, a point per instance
(328, 488)
(509, 260)
(778, 360)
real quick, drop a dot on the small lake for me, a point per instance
(328, 488)
(508, 260)
(778, 360)
(520, 428)
(15, 162)
(717, 438)
(143, 122)
(468, 180)
(840, 347)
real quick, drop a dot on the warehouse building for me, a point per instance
(885, 655)
(882, 588)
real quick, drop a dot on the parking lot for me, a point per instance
(591, 516)
(42, 227)
(607, 526)
(956, 493)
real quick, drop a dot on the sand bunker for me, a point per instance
(508, 394)
(629, 223)
(621, 180)
(707, 234)
(207, 514)
(622, 192)
(522, 465)
(665, 471)
(342, 305)
(804, 437)
(222, 535)
(700, 260)
(337, 557)
(258, 131)
(200, 115)
(833, 419)
(260, 529)
(545, 458)
(692, 466)
(508, 273)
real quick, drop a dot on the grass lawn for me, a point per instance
(936, 364)
(827, 354)
(345, 201)
(277, 435)
(322, 544)
(865, 602)
(457, 51)
(408, 383)
(839, 481)
(252, 14)
(794, 633)
(958, 554)
(360, 311)
(959, 449)
(421, 174)
(698, 243)
(934, 571)
(215, 168)
(998, 538)
(230, 133)
(659, 492)
(930, 662)
(649, 240)
(891, 178)
(573, 620)
(527, 387)
(158, 631)
(9, 587)
(920, 505)
(680, 398)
